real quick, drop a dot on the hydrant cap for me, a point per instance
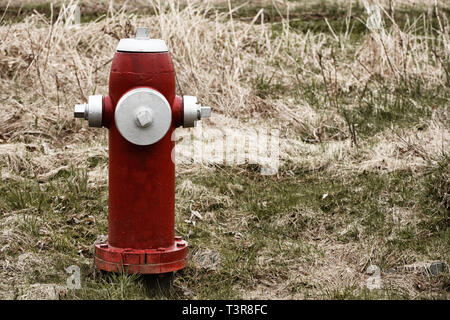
(143, 116)
(142, 45)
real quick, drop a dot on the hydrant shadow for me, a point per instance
(158, 285)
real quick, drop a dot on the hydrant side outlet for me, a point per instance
(141, 113)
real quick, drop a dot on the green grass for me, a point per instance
(366, 198)
(378, 106)
(18, 13)
(343, 19)
(66, 204)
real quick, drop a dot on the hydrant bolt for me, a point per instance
(144, 118)
(205, 112)
(80, 111)
(142, 33)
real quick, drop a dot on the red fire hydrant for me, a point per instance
(141, 113)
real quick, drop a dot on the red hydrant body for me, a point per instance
(141, 113)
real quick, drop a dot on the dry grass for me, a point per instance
(258, 68)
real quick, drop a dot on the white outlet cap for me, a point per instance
(143, 116)
(192, 111)
(91, 111)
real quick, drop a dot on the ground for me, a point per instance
(357, 93)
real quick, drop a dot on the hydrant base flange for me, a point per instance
(142, 261)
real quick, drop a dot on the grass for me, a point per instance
(363, 120)
(263, 217)
(15, 13)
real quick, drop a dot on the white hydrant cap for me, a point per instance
(192, 111)
(91, 111)
(143, 116)
(142, 43)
